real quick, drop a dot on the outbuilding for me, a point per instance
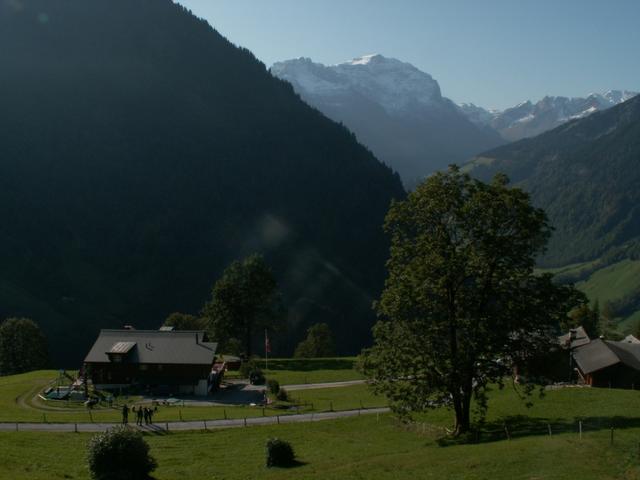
(605, 363)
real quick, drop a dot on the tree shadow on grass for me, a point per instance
(294, 464)
(518, 426)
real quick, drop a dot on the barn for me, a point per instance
(605, 363)
(152, 361)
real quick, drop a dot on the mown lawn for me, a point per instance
(356, 448)
(312, 370)
(17, 403)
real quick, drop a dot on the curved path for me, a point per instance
(163, 428)
(311, 386)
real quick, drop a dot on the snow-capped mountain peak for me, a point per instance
(365, 59)
(394, 84)
(528, 119)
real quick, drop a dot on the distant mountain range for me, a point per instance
(585, 175)
(393, 108)
(399, 112)
(141, 152)
(530, 119)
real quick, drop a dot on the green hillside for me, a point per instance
(584, 175)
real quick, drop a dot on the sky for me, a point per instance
(494, 53)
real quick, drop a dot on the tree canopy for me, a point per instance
(319, 343)
(23, 346)
(461, 305)
(185, 321)
(244, 302)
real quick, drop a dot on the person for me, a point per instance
(139, 419)
(151, 415)
(125, 414)
(146, 415)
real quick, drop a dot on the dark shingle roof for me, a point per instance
(594, 356)
(154, 347)
(599, 354)
(580, 337)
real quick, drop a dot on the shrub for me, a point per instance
(279, 453)
(119, 454)
(282, 395)
(246, 368)
(256, 377)
(273, 386)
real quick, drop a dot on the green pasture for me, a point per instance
(19, 403)
(294, 371)
(381, 447)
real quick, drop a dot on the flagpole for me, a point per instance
(266, 350)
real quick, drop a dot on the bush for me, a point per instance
(256, 377)
(279, 453)
(273, 386)
(282, 395)
(246, 368)
(119, 454)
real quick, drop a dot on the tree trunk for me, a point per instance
(462, 408)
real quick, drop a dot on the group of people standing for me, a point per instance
(142, 413)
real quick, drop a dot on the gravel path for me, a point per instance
(163, 428)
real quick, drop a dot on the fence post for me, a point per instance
(549, 426)
(75, 427)
(180, 413)
(611, 435)
(16, 426)
(245, 421)
(278, 419)
(580, 428)
(205, 424)
(506, 430)
(166, 426)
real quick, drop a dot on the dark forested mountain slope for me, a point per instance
(585, 174)
(141, 152)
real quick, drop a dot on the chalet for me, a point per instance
(155, 361)
(604, 363)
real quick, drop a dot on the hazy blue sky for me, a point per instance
(495, 53)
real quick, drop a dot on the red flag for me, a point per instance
(267, 344)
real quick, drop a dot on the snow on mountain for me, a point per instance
(393, 84)
(394, 108)
(528, 119)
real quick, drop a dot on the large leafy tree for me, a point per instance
(23, 346)
(461, 305)
(185, 321)
(244, 302)
(319, 343)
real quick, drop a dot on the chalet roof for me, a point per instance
(153, 347)
(574, 338)
(600, 354)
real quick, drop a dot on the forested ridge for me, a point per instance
(141, 152)
(585, 175)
